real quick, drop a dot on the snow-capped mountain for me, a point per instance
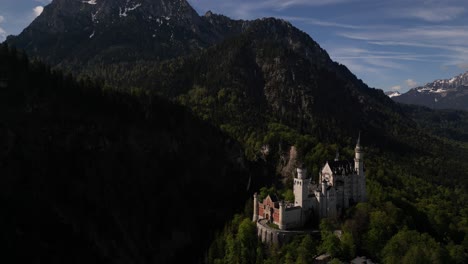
(440, 94)
(85, 32)
(392, 94)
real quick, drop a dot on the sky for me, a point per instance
(392, 45)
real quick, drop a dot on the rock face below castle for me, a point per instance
(342, 183)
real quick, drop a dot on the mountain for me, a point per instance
(440, 94)
(392, 94)
(250, 77)
(105, 31)
(263, 85)
(274, 72)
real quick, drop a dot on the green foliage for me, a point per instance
(90, 168)
(409, 246)
(264, 192)
(237, 244)
(335, 261)
(330, 242)
(348, 246)
(288, 195)
(273, 225)
(306, 251)
(457, 253)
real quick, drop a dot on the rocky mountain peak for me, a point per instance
(392, 94)
(444, 85)
(102, 31)
(442, 93)
(99, 11)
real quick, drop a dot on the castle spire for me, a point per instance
(358, 143)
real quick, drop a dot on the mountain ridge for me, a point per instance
(93, 32)
(440, 94)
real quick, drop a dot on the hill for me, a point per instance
(97, 176)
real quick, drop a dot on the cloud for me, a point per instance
(38, 10)
(410, 83)
(312, 21)
(289, 3)
(442, 44)
(45, 2)
(3, 33)
(432, 14)
(248, 9)
(463, 66)
(395, 88)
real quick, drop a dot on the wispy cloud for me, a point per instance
(430, 14)
(395, 88)
(38, 10)
(3, 33)
(248, 9)
(372, 59)
(313, 21)
(410, 83)
(281, 4)
(450, 41)
(463, 66)
(45, 2)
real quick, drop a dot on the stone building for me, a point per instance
(342, 183)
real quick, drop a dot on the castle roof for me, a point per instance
(340, 167)
(273, 198)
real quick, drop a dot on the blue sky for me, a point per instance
(392, 45)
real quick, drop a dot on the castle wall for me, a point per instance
(331, 203)
(292, 218)
(276, 216)
(269, 235)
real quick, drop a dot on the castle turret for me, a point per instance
(281, 215)
(301, 187)
(255, 208)
(323, 200)
(359, 167)
(324, 187)
(358, 157)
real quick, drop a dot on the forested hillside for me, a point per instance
(89, 175)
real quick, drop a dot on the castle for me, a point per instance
(342, 183)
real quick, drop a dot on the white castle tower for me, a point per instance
(359, 167)
(301, 187)
(255, 208)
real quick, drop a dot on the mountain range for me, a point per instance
(440, 94)
(135, 82)
(269, 63)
